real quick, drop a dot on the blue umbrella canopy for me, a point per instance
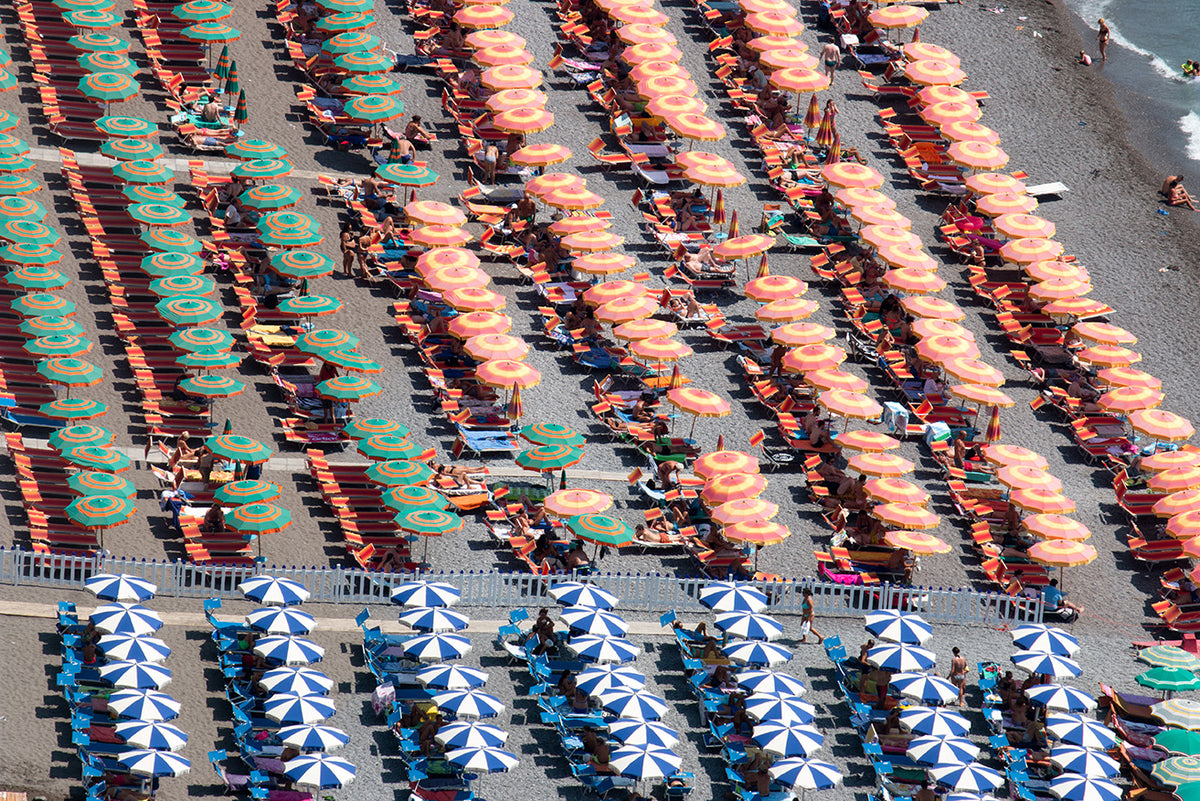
(1047, 664)
(930, 750)
(599, 679)
(923, 687)
(1044, 638)
(644, 763)
(588, 620)
(783, 708)
(149, 734)
(470, 734)
(130, 647)
(288, 650)
(591, 648)
(109, 587)
(469, 703)
(274, 591)
(1084, 761)
(451, 677)
(1061, 698)
(729, 596)
(941, 722)
(577, 593)
(805, 774)
(756, 653)
(749, 625)
(319, 771)
(787, 740)
(298, 680)
(1078, 730)
(643, 733)
(971, 777)
(154, 763)
(143, 705)
(897, 626)
(1070, 787)
(425, 593)
(298, 709)
(768, 681)
(638, 705)
(482, 760)
(313, 737)
(136, 675)
(436, 647)
(901, 658)
(432, 618)
(126, 618)
(281, 620)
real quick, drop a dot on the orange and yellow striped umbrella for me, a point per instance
(913, 281)
(474, 324)
(670, 105)
(1177, 479)
(486, 347)
(949, 111)
(444, 279)
(1108, 356)
(638, 33)
(905, 515)
(882, 236)
(897, 16)
(786, 311)
(833, 378)
(965, 131)
(758, 533)
(515, 98)
(651, 51)
(657, 69)
(1062, 553)
(553, 181)
(1024, 225)
(1178, 503)
(880, 465)
(721, 463)
(523, 120)
(660, 349)
(610, 5)
(775, 287)
(977, 155)
(644, 329)
(440, 236)
(698, 402)
(774, 23)
(573, 198)
(762, 6)
(1056, 527)
(784, 58)
(848, 174)
(469, 299)
(855, 196)
(1058, 289)
(510, 76)
(1023, 476)
(541, 155)
(932, 328)
(984, 396)
(941, 348)
(699, 158)
(502, 54)
(609, 291)
(602, 263)
(577, 224)
(507, 373)
(1006, 455)
(1042, 502)
(662, 85)
(933, 73)
(1124, 400)
(798, 79)
(638, 15)
(795, 335)
(432, 212)
(907, 257)
(932, 95)
(1052, 269)
(1103, 334)
(434, 259)
(886, 216)
(1165, 460)
(733, 487)
(696, 126)
(709, 176)
(493, 38)
(813, 357)
(923, 51)
(592, 241)
(744, 247)
(1025, 251)
(746, 510)
(1161, 425)
(895, 490)
(624, 310)
(916, 541)
(1184, 526)
(867, 441)
(932, 308)
(483, 17)
(845, 403)
(1079, 308)
(763, 44)
(974, 371)
(997, 203)
(992, 183)
(572, 502)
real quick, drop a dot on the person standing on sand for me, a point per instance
(831, 56)
(807, 615)
(1102, 37)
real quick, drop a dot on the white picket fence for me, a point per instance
(653, 592)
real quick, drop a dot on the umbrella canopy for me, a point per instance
(576, 593)
(313, 737)
(154, 763)
(1168, 679)
(594, 648)
(934, 722)
(1078, 730)
(1044, 638)
(786, 740)
(632, 704)
(433, 618)
(469, 703)
(644, 763)
(1044, 664)
(425, 593)
(643, 734)
(120, 587)
(1169, 656)
(763, 706)
(281, 620)
(769, 681)
(297, 680)
(1183, 713)
(451, 677)
(482, 759)
(99, 458)
(599, 679)
(436, 647)
(319, 771)
(749, 626)
(598, 622)
(274, 591)
(929, 750)
(143, 704)
(900, 657)
(971, 777)
(756, 653)
(1070, 787)
(135, 675)
(289, 650)
(100, 511)
(897, 626)
(1061, 698)
(1084, 761)
(470, 734)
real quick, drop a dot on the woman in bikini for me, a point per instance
(958, 674)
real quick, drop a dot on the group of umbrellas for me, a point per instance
(472, 746)
(132, 664)
(1174, 670)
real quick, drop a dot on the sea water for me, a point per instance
(1150, 42)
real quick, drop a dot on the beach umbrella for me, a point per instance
(424, 593)
(405, 499)
(319, 771)
(1168, 679)
(143, 704)
(1078, 730)
(643, 734)
(11, 185)
(313, 737)
(433, 618)
(971, 777)
(399, 472)
(924, 688)
(1044, 664)
(451, 677)
(99, 458)
(1178, 741)
(122, 617)
(210, 32)
(370, 84)
(756, 653)
(577, 593)
(129, 648)
(281, 620)
(366, 427)
(310, 306)
(147, 762)
(482, 759)
(749, 625)
(406, 174)
(599, 679)
(763, 706)
(246, 491)
(933, 750)
(1069, 787)
(212, 386)
(274, 591)
(1044, 638)
(135, 675)
(1061, 698)
(326, 339)
(202, 11)
(1182, 713)
(383, 447)
(28, 255)
(120, 587)
(469, 703)
(436, 647)
(78, 435)
(150, 734)
(1169, 656)
(100, 511)
(44, 305)
(592, 648)
(901, 657)
(470, 734)
(934, 722)
(1084, 761)
(348, 388)
(640, 762)
(296, 680)
(628, 703)
(598, 622)
(345, 21)
(288, 650)
(787, 740)
(601, 530)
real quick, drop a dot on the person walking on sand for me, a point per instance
(958, 674)
(1102, 37)
(807, 615)
(831, 56)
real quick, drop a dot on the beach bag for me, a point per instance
(382, 698)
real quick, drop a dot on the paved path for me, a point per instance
(179, 165)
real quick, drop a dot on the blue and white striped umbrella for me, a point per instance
(627, 703)
(130, 648)
(1070, 787)
(970, 797)
(730, 596)
(929, 750)
(788, 740)
(1084, 761)
(425, 593)
(1078, 730)
(319, 771)
(1061, 698)
(281, 620)
(644, 763)
(148, 705)
(599, 679)
(126, 618)
(938, 722)
(469, 703)
(136, 675)
(923, 687)
(154, 763)
(436, 647)
(298, 680)
(781, 708)
(451, 677)
(109, 587)
(313, 737)
(603, 649)
(1047, 639)
(147, 734)
(643, 733)
(274, 591)
(587, 620)
(1059, 667)
(482, 760)
(289, 650)
(805, 774)
(577, 593)
(470, 734)
(433, 618)
(900, 658)
(756, 653)
(895, 625)
(969, 778)
(769, 681)
(749, 626)
(297, 709)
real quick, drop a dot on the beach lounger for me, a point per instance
(1055, 188)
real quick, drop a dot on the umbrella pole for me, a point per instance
(692, 433)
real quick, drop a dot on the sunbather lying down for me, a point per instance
(656, 532)
(461, 476)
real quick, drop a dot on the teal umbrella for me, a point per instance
(1169, 679)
